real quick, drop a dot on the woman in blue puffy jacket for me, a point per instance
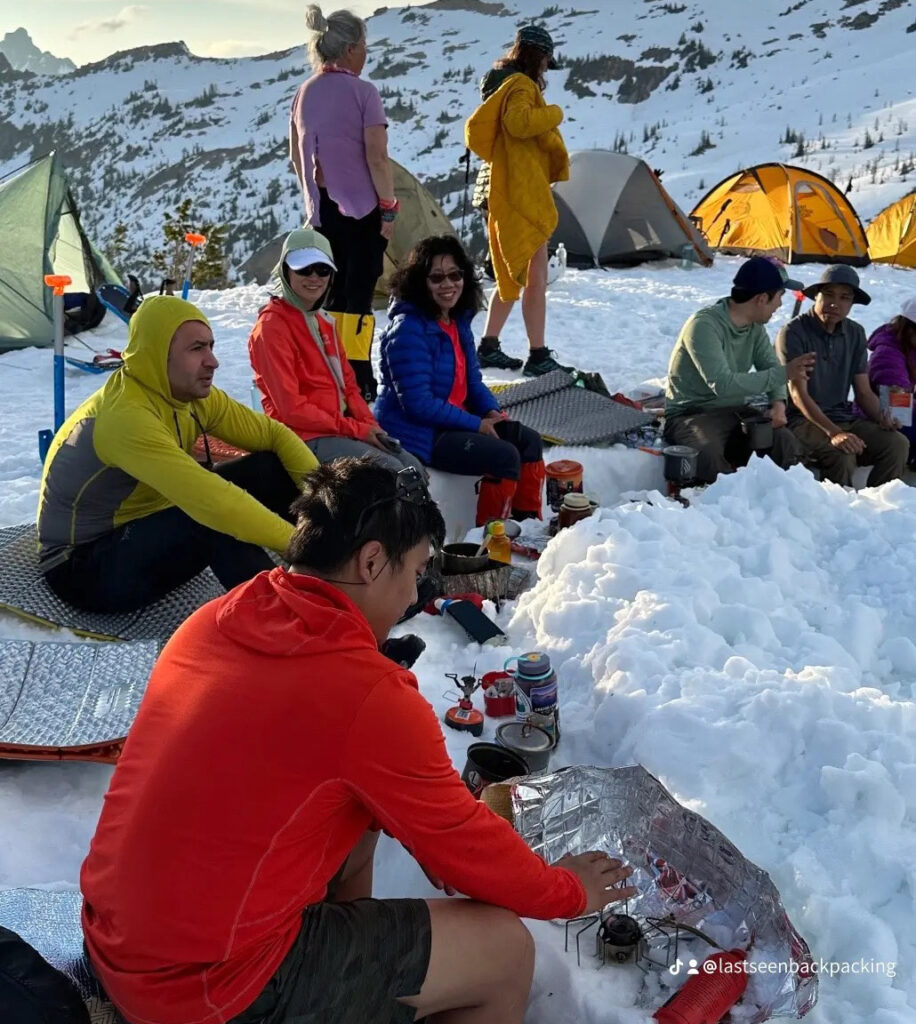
(433, 398)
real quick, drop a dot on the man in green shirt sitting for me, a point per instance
(722, 359)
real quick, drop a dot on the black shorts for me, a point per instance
(348, 965)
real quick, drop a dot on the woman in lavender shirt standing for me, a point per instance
(338, 140)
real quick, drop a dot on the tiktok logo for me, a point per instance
(675, 968)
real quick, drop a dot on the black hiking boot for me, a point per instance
(541, 361)
(403, 650)
(492, 357)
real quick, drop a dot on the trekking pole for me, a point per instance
(58, 282)
(466, 160)
(799, 299)
(194, 240)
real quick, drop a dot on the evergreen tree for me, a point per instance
(171, 260)
(117, 249)
(211, 264)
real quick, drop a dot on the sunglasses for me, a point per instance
(319, 269)
(409, 486)
(438, 276)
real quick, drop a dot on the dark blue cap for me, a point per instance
(764, 274)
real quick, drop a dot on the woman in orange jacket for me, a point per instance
(300, 367)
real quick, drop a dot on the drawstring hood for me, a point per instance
(146, 358)
(309, 238)
(303, 238)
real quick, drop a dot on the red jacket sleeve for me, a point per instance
(398, 767)
(298, 390)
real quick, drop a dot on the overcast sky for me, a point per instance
(87, 30)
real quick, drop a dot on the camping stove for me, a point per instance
(618, 939)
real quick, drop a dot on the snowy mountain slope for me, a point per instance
(24, 55)
(699, 89)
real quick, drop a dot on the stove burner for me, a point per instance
(618, 938)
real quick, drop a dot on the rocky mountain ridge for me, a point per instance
(697, 89)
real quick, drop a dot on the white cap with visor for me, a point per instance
(299, 259)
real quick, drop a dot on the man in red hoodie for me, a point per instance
(230, 873)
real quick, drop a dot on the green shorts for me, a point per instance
(348, 965)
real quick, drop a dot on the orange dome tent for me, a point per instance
(892, 234)
(783, 211)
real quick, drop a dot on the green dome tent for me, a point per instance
(40, 233)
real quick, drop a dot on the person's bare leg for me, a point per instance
(355, 882)
(497, 314)
(480, 966)
(534, 299)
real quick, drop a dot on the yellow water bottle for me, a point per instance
(498, 544)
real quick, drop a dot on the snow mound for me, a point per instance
(753, 651)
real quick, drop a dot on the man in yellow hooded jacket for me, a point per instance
(126, 513)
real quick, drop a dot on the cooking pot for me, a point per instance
(463, 558)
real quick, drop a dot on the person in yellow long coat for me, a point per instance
(517, 134)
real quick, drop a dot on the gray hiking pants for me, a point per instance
(327, 449)
(722, 445)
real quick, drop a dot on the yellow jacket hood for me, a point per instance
(150, 334)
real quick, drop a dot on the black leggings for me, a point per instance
(359, 250)
(472, 454)
(143, 560)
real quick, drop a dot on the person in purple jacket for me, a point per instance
(433, 398)
(338, 141)
(892, 362)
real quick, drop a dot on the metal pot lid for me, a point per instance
(524, 737)
(577, 501)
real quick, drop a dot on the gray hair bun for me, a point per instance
(314, 19)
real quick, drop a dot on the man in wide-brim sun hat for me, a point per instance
(835, 435)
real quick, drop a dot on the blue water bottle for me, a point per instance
(536, 692)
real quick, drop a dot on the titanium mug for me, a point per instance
(680, 463)
(759, 432)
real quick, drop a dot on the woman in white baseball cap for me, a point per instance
(300, 367)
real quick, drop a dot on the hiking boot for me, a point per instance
(491, 356)
(541, 361)
(403, 650)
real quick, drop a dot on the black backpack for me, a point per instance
(31, 990)
(85, 316)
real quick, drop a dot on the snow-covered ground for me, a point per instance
(754, 651)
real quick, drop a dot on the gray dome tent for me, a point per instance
(613, 210)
